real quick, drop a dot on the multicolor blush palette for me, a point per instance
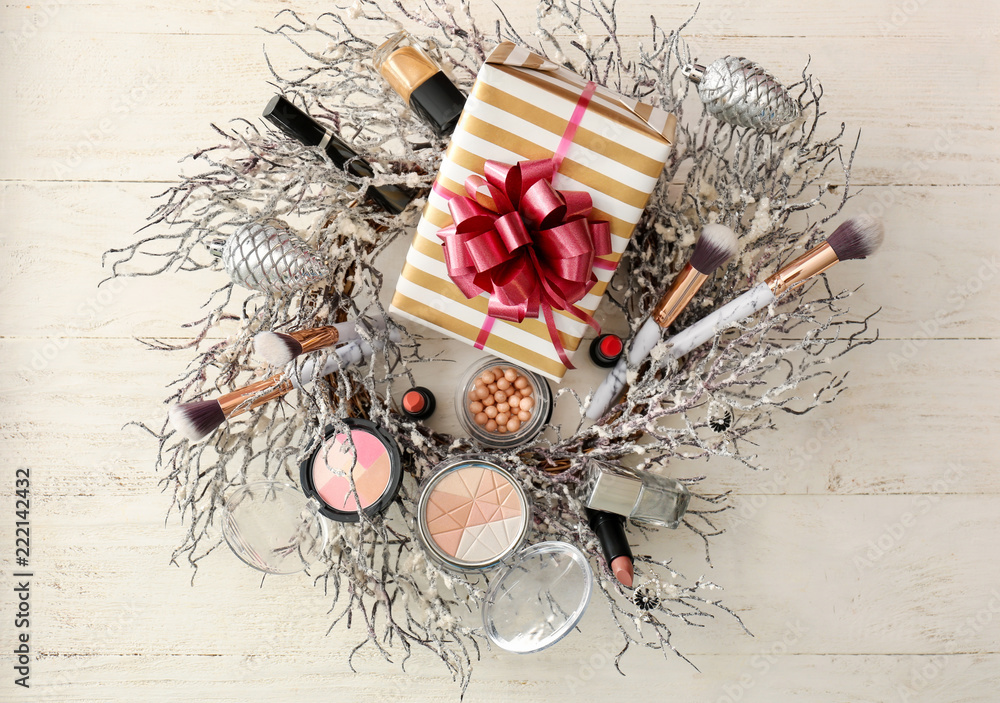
(370, 458)
(472, 514)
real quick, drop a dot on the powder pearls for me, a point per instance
(500, 399)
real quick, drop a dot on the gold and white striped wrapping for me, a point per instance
(519, 109)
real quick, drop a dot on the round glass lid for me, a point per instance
(273, 527)
(538, 598)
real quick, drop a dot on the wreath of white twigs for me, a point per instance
(377, 576)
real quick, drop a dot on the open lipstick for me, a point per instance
(420, 82)
(295, 123)
(418, 403)
(610, 531)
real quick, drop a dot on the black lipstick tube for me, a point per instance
(298, 125)
(610, 531)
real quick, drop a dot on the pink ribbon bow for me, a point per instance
(526, 244)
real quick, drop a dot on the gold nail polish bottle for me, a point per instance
(420, 82)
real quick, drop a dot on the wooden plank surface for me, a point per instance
(865, 563)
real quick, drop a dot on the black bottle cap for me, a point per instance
(294, 122)
(438, 102)
(297, 124)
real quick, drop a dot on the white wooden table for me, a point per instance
(871, 574)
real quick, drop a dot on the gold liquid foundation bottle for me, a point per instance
(420, 82)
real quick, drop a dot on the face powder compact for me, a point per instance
(474, 515)
(502, 405)
(369, 456)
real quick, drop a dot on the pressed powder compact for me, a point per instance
(420, 82)
(502, 405)
(474, 515)
(369, 457)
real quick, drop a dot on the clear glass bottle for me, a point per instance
(641, 496)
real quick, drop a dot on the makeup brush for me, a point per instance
(715, 246)
(200, 418)
(278, 348)
(857, 238)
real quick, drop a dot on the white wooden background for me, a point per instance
(870, 575)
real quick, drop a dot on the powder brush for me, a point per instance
(279, 348)
(715, 246)
(200, 418)
(857, 238)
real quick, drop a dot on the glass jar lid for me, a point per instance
(273, 527)
(538, 598)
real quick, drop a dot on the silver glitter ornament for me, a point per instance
(269, 258)
(743, 94)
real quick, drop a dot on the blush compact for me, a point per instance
(353, 473)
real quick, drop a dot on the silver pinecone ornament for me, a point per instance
(743, 94)
(269, 258)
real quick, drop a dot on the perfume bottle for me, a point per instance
(297, 124)
(639, 495)
(420, 81)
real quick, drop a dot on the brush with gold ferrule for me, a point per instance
(715, 246)
(200, 418)
(278, 348)
(856, 238)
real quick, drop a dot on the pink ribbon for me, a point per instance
(530, 247)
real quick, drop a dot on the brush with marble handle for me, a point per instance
(715, 246)
(856, 238)
(200, 418)
(279, 348)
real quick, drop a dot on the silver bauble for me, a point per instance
(269, 258)
(743, 94)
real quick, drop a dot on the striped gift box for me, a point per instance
(519, 109)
